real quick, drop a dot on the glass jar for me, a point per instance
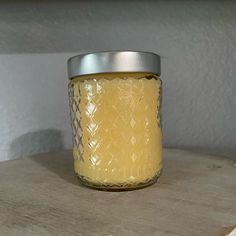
(115, 101)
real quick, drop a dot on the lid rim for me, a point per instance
(113, 61)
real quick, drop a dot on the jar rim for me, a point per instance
(113, 61)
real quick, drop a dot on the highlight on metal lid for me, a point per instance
(114, 61)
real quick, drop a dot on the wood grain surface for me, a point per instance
(40, 196)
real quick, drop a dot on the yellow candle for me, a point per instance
(117, 133)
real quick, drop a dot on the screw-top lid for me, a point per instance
(114, 61)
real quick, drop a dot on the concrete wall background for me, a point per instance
(196, 39)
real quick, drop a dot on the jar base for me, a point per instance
(120, 186)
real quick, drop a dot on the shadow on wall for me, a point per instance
(41, 141)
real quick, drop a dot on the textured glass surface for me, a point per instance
(116, 129)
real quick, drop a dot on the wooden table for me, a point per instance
(40, 196)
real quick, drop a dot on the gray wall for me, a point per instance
(196, 39)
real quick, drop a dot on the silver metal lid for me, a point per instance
(114, 61)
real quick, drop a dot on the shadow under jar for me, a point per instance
(115, 102)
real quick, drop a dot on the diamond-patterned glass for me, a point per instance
(116, 123)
